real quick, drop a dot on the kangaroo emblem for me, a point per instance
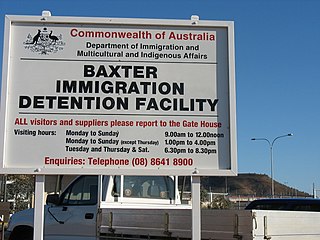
(36, 37)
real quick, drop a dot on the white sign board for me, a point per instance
(118, 96)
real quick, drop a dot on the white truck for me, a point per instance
(149, 207)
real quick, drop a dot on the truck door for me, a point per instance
(75, 215)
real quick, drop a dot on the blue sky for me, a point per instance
(277, 71)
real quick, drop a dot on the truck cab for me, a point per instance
(74, 213)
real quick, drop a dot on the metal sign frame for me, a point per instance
(189, 127)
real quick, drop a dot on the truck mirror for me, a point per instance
(53, 199)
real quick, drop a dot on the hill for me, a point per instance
(258, 185)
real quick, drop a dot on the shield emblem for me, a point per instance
(44, 37)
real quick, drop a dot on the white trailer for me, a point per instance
(216, 224)
(149, 207)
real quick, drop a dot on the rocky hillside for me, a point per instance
(248, 184)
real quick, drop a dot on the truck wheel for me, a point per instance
(22, 233)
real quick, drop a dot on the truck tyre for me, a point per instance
(22, 233)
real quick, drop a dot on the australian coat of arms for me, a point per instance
(44, 42)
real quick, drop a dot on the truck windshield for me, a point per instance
(159, 187)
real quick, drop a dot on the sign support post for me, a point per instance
(39, 208)
(196, 208)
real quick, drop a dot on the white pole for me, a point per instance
(196, 208)
(38, 221)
